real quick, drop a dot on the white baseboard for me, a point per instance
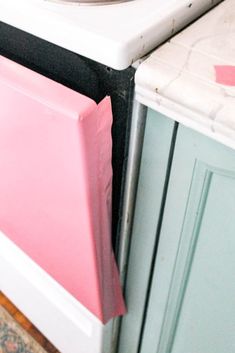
(56, 313)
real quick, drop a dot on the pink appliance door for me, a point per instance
(55, 184)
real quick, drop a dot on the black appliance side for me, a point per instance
(87, 77)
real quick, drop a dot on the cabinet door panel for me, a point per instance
(192, 307)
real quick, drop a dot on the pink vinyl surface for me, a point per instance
(56, 183)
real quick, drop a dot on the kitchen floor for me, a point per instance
(26, 324)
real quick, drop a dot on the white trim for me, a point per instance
(56, 313)
(114, 35)
(186, 117)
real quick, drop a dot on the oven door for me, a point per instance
(56, 259)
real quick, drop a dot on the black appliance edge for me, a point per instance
(86, 77)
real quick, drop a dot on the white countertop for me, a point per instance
(115, 35)
(192, 77)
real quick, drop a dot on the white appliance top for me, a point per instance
(115, 35)
(192, 77)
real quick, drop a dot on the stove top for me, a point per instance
(115, 35)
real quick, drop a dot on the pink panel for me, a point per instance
(225, 74)
(55, 185)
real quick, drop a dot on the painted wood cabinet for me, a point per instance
(189, 301)
(153, 171)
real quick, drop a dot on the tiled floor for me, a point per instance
(26, 324)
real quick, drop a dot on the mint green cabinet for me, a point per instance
(153, 171)
(182, 295)
(191, 307)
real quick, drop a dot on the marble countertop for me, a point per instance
(115, 35)
(191, 78)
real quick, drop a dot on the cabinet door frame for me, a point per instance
(156, 158)
(190, 182)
